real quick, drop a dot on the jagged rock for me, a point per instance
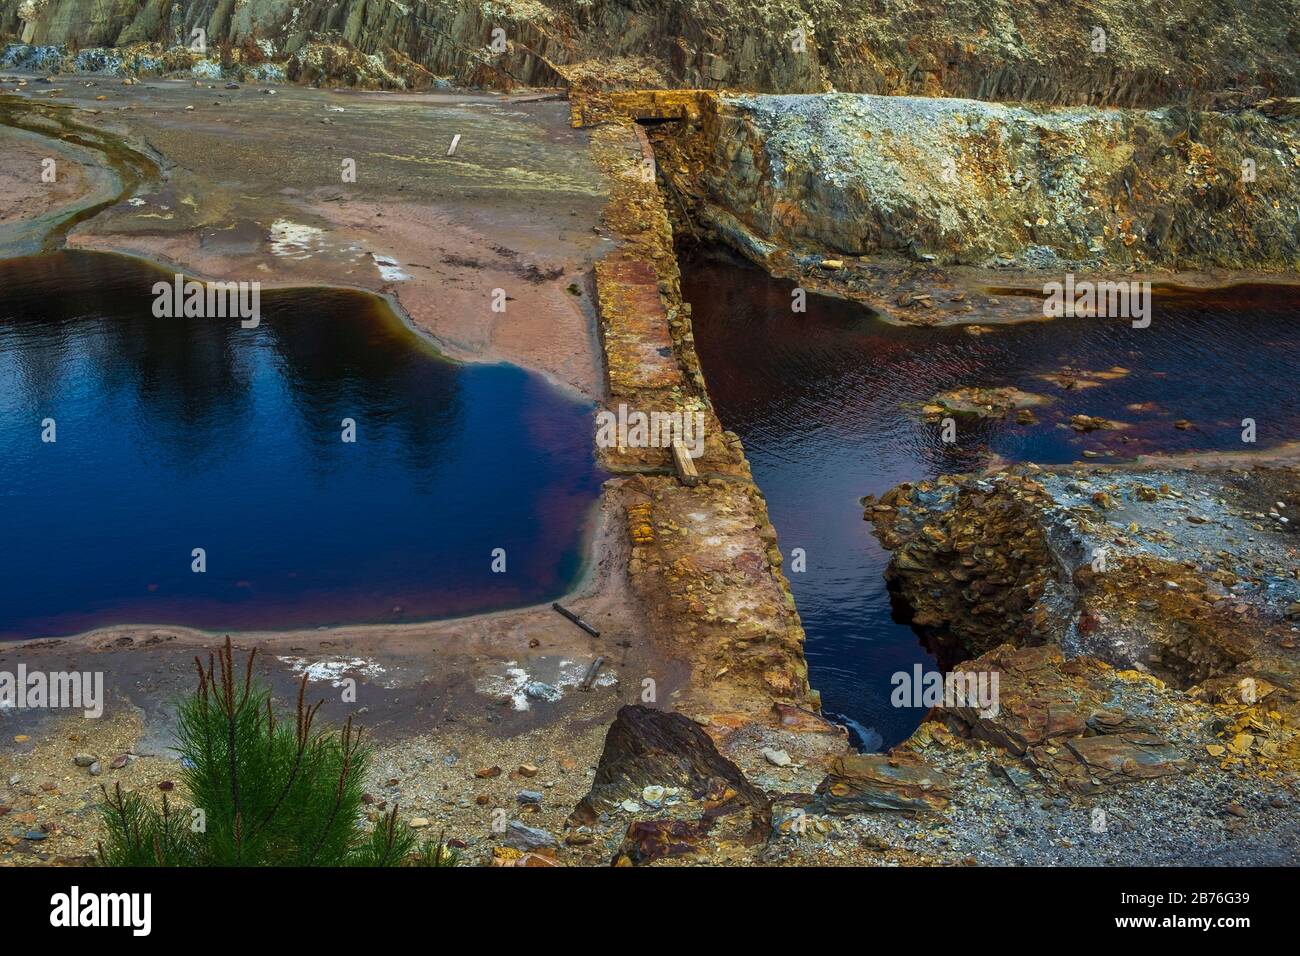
(1032, 556)
(1043, 700)
(972, 560)
(864, 782)
(648, 747)
(1279, 107)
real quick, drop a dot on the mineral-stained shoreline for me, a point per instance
(1160, 691)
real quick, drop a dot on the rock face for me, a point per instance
(794, 180)
(1045, 52)
(974, 562)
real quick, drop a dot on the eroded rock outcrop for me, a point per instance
(974, 561)
(1178, 572)
(810, 186)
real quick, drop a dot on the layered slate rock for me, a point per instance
(859, 783)
(1125, 757)
(1077, 724)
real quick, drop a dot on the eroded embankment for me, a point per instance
(923, 208)
(1185, 574)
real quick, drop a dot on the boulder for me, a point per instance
(647, 747)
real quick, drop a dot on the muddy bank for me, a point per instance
(440, 701)
(63, 171)
(28, 198)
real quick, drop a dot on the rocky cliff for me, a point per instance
(1114, 52)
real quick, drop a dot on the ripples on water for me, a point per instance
(182, 433)
(821, 401)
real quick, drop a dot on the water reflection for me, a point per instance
(183, 433)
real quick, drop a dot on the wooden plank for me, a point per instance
(686, 472)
